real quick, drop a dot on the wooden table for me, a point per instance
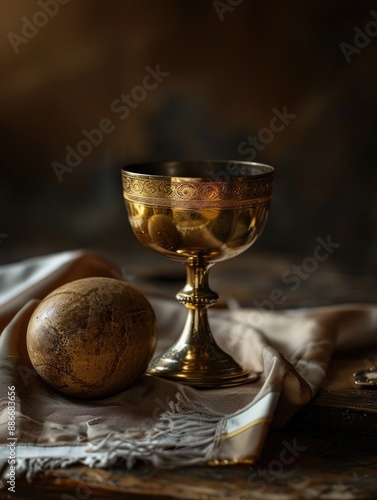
(334, 438)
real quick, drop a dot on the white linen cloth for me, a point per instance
(155, 420)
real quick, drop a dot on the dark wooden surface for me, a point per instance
(335, 435)
(323, 469)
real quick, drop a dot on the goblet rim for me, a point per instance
(142, 170)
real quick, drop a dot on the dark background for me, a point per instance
(225, 78)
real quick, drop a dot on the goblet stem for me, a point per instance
(197, 296)
(195, 359)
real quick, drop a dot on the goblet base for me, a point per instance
(205, 366)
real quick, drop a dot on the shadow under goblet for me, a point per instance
(198, 213)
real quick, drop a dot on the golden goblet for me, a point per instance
(198, 213)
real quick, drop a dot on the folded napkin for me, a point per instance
(155, 420)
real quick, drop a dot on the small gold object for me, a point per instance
(233, 461)
(191, 212)
(366, 377)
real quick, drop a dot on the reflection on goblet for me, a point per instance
(198, 213)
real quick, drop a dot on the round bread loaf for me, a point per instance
(92, 338)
